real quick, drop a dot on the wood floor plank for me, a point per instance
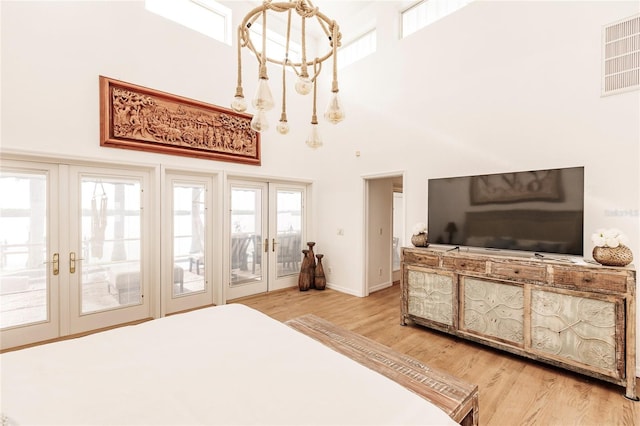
(513, 390)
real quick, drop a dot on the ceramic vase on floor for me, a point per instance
(312, 263)
(304, 279)
(320, 281)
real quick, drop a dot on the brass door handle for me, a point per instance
(266, 245)
(273, 245)
(72, 262)
(56, 263)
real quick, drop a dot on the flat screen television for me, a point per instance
(536, 211)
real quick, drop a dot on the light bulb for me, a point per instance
(238, 104)
(334, 112)
(282, 127)
(259, 122)
(314, 140)
(263, 100)
(304, 85)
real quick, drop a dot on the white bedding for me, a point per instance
(224, 365)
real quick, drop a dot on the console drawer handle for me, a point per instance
(516, 271)
(587, 280)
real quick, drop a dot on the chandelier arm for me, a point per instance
(303, 63)
(239, 92)
(314, 116)
(317, 67)
(283, 115)
(263, 54)
(249, 45)
(323, 25)
(286, 48)
(335, 41)
(299, 64)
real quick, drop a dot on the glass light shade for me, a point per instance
(304, 86)
(314, 140)
(259, 122)
(263, 100)
(239, 104)
(334, 112)
(282, 127)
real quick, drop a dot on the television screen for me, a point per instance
(538, 211)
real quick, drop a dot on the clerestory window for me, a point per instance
(426, 12)
(205, 16)
(357, 49)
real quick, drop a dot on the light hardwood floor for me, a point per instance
(513, 390)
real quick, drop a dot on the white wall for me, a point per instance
(498, 86)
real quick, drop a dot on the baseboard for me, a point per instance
(344, 290)
(380, 286)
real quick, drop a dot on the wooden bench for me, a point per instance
(455, 397)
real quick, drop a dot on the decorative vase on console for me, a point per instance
(610, 248)
(419, 237)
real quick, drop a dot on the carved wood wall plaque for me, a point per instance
(136, 117)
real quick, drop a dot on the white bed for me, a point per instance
(224, 365)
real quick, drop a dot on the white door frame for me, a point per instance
(79, 322)
(50, 328)
(272, 283)
(175, 303)
(368, 239)
(63, 234)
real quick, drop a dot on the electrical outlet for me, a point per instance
(329, 270)
(380, 271)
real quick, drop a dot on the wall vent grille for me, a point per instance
(621, 56)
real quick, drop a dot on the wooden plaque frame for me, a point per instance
(139, 118)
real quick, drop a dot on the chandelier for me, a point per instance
(306, 69)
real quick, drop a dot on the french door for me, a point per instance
(29, 253)
(73, 243)
(189, 266)
(109, 215)
(267, 227)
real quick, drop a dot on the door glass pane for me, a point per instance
(289, 231)
(111, 243)
(246, 235)
(188, 238)
(23, 248)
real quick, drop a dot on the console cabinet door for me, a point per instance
(493, 310)
(579, 330)
(430, 295)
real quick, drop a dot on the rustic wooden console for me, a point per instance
(576, 316)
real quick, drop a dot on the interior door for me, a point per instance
(189, 267)
(29, 253)
(107, 262)
(267, 229)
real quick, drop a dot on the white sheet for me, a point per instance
(223, 365)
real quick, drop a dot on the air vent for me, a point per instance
(621, 56)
